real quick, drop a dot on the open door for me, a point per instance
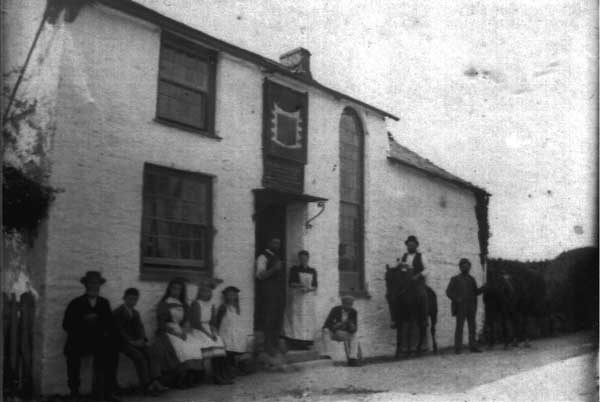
(269, 223)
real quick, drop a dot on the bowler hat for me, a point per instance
(347, 297)
(464, 261)
(411, 238)
(231, 289)
(90, 276)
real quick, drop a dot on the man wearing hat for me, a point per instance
(341, 326)
(90, 329)
(462, 291)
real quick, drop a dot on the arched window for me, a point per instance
(351, 226)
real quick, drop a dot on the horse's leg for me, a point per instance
(409, 330)
(433, 341)
(422, 334)
(399, 328)
(504, 324)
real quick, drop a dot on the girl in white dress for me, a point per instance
(202, 320)
(230, 325)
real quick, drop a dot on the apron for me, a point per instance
(188, 349)
(210, 348)
(232, 332)
(300, 314)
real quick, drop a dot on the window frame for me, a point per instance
(361, 290)
(210, 56)
(148, 272)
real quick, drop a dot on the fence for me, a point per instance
(18, 319)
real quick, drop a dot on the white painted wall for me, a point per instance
(106, 131)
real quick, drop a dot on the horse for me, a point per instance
(410, 301)
(500, 301)
(513, 300)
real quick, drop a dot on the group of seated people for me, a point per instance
(187, 337)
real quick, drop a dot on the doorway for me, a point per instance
(269, 223)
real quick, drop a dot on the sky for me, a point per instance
(500, 93)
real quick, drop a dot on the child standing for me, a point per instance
(230, 325)
(202, 320)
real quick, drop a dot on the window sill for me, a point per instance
(358, 294)
(183, 127)
(165, 275)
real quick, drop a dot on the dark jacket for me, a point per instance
(334, 320)
(86, 333)
(295, 272)
(130, 327)
(417, 263)
(462, 290)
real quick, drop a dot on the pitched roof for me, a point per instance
(135, 9)
(405, 156)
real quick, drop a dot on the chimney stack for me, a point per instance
(297, 60)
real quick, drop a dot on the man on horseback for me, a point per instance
(415, 261)
(407, 295)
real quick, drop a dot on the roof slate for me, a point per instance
(405, 156)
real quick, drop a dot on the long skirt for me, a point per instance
(171, 356)
(300, 316)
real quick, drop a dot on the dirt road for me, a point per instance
(558, 369)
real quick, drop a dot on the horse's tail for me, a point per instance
(432, 304)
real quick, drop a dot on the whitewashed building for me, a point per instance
(177, 154)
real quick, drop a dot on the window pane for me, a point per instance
(351, 190)
(181, 105)
(184, 69)
(175, 219)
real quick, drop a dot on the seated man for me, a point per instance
(134, 344)
(341, 326)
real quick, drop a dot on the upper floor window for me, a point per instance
(186, 84)
(351, 223)
(177, 221)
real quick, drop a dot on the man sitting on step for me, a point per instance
(341, 326)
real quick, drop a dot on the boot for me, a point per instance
(219, 377)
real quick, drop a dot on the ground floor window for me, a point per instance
(176, 221)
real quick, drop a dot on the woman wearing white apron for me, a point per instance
(300, 318)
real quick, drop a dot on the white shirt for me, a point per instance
(261, 264)
(411, 257)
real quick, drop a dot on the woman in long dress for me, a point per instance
(300, 319)
(202, 319)
(180, 353)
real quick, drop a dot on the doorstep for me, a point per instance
(292, 361)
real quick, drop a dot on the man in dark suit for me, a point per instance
(270, 294)
(462, 291)
(134, 344)
(90, 329)
(341, 326)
